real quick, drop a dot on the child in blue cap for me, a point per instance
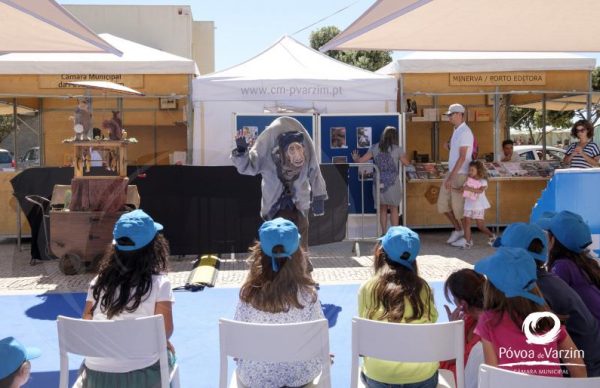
(131, 283)
(568, 239)
(14, 362)
(278, 289)
(396, 293)
(581, 325)
(511, 335)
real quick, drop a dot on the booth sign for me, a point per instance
(513, 78)
(59, 81)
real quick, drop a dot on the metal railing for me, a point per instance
(356, 240)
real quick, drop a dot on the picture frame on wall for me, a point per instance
(339, 159)
(250, 133)
(337, 137)
(364, 137)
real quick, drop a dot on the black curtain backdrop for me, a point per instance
(203, 209)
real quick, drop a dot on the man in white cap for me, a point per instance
(450, 201)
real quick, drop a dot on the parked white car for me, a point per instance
(31, 158)
(534, 152)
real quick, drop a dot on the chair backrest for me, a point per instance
(288, 342)
(492, 377)
(405, 342)
(125, 339)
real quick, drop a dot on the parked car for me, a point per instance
(31, 158)
(534, 152)
(7, 161)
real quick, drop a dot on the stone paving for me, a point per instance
(335, 263)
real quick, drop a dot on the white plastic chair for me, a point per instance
(126, 339)
(403, 342)
(288, 342)
(492, 377)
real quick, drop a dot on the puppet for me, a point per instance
(83, 121)
(114, 126)
(285, 157)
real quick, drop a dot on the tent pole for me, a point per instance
(15, 148)
(544, 126)
(588, 105)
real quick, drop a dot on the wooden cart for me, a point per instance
(83, 215)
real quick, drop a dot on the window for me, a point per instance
(528, 155)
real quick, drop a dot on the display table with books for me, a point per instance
(513, 189)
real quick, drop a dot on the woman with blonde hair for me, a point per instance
(278, 290)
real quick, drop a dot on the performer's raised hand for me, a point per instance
(240, 142)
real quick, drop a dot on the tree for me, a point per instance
(528, 119)
(6, 126)
(368, 60)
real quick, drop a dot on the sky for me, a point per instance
(244, 28)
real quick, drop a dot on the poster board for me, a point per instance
(254, 124)
(340, 134)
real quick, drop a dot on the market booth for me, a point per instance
(490, 86)
(287, 77)
(34, 86)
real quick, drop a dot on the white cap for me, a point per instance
(455, 108)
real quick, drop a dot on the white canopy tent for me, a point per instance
(135, 59)
(45, 26)
(461, 62)
(474, 25)
(287, 75)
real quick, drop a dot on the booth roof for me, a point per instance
(449, 62)
(288, 64)
(473, 25)
(136, 59)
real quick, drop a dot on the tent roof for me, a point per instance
(566, 103)
(45, 26)
(474, 25)
(448, 62)
(136, 59)
(289, 59)
(288, 70)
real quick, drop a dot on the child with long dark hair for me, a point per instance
(464, 288)
(278, 289)
(396, 293)
(510, 297)
(581, 325)
(568, 239)
(131, 283)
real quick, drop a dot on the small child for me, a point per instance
(510, 297)
(131, 283)
(475, 204)
(15, 368)
(569, 237)
(278, 289)
(581, 325)
(396, 293)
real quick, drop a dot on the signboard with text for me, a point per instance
(59, 81)
(512, 78)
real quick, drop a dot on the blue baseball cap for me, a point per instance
(278, 231)
(13, 354)
(400, 240)
(512, 271)
(520, 235)
(137, 226)
(569, 228)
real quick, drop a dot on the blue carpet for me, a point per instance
(31, 319)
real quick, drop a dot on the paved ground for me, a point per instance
(334, 263)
